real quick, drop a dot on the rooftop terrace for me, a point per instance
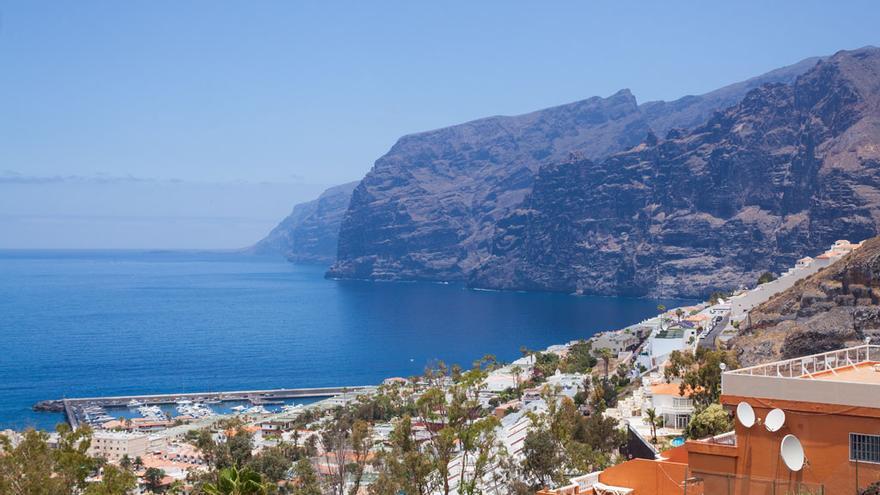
(846, 377)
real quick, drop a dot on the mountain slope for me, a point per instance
(785, 172)
(429, 207)
(311, 232)
(835, 307)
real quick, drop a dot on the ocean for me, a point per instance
(91, 323)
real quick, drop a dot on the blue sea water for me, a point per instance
(91, 323)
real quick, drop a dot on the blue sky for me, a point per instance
(238, 110)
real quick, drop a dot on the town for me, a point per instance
(657, 407)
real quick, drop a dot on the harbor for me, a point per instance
(98, 410)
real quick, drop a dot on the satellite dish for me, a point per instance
(745, 414)
(774, 420)
(792, 452)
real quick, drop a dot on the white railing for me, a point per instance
(792, 379)
(816, 363)
(587, 480)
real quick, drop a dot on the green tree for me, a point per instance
(234, 481)
(273, 462)
(517, 371)
(114, 481)
(27, 468)
(360, 447)
(579, 358)
(72, 462)
(605, 355)
(654, 421)
(403, 467)
(306, 479)
(153, 479)
(541, 456)
(711, 421)
(700, 373)
(766, 277)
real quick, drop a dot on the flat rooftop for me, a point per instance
(865, 372)
(848, 376)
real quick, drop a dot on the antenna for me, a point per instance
(774, 420)
(792, 452)
(745, 414)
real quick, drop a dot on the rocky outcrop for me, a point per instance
(786, 172)
(833, 308)
(311, 232)
(428, 209)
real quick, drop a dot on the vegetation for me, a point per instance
(654, 421)
(711, 421)
(32, 467)
(564, 441)
(234, 481)
(716, 297)
(438, 425)
(766, 277)
(700, 373)
(872, 489)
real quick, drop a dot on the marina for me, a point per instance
(98, 410)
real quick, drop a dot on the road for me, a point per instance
(708, 342)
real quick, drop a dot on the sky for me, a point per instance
(199, 124)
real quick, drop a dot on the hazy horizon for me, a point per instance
(191, 126)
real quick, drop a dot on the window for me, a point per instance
(681, 402)
(864, 448)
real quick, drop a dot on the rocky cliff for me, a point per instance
(428, 209)
(835, 307)
(785, 172)
(311, 232)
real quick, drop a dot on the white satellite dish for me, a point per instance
(792, 452)
(745, 414)
(774, 420)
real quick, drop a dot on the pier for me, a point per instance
(72, 408)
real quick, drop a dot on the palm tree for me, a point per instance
(661, 309)
(516, 370)
(138, 463)
(233, 481)
(679, 313)
(605, 355)
(654, 421)
(153, 478)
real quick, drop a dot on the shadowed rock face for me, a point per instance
(310, 233)
(786, 172)
(833, 308)
(429, 208)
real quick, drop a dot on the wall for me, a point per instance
(646, 477)
(823, 431)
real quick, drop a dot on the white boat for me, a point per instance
(256, 410)
(238, 409)
(134, 404)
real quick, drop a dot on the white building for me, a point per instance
(113, 445)
(617, 342)
(668, 402)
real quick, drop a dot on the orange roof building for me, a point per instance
(829, 403)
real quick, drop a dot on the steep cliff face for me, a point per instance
(311, 232)
(835, 307)
(787, 171)
(428, 209)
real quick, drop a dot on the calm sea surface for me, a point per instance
(86, 323)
